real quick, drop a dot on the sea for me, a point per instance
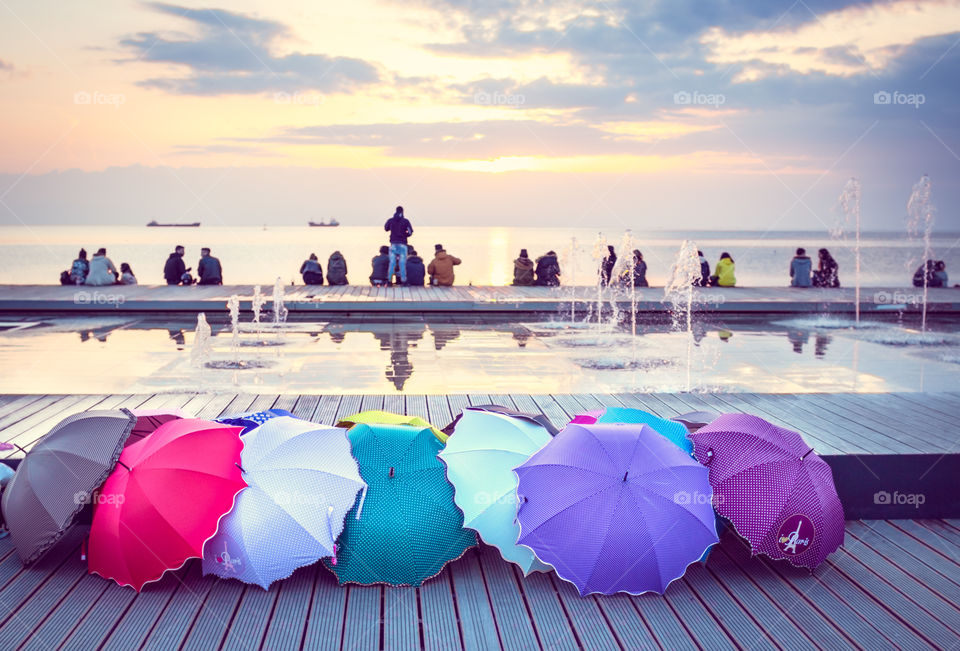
(261, 254)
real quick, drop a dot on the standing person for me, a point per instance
(102, 271)
(523, 270)
(704, 279)
(209, 269)
(173, 268)
(606, 267)
(723, 275)
(311, 271)
(337, 269)
(441, 268)
(80, 268)
(639, 270)
(400, 229)
(380, 265)
(548, 270)
(828, 274)
(800, 269)
(126, 274)
(416, 271)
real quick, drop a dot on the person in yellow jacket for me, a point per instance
(723, 273)
(441, 268)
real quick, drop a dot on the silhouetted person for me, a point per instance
(311, 271)
(523, 270)
(209, 269)
(174, 268)
(606, 267)
(380, 265)
(548, 270)
(800, 268)
(441, 267)
(80, 268)
(724, 273)
(126, 275)
(102, 271)
(828, 272)
(639, 270)
(400, 229)
(704, 279)
(416, 270)
(927, 269)
(940, 277)
(336, 269)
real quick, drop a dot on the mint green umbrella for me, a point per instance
(480, 455)
(405, 526)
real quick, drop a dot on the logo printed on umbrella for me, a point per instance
(229, 563)
(796, 534)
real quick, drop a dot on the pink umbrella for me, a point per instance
(149, 420)
(772, 486)
(164, 500)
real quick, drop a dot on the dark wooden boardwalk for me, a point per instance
(363, 298)
(894, 584)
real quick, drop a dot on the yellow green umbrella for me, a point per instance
(379, 417)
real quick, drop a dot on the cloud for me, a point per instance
(232, 54)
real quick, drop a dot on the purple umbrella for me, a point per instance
(615, 508)
(772, 486)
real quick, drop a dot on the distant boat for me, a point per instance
(158, 224)
(332, 222)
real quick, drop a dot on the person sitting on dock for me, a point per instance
(337, 269)
(723, 275)
(523, 270)
(940, 274)
(441, 268)
(928, 269)
(828, 274)
(126, 274)
(800, 268)
(400, 229)
(102, 271)
(416, 270)
(79, 269)
(548, 270)
(606, 267)
(380, 264)
(174, 268)
(209, 269)
(311, 271)
(639, 270)
(704, 279)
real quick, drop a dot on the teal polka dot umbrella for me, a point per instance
(405, 526)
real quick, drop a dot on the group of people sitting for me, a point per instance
(98, 271)
(209, 270)
(545, 272)
(933, 273)
(802, 273)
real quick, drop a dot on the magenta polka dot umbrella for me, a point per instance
(773, 487)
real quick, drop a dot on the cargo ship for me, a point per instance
(155, 223)
(332, 222)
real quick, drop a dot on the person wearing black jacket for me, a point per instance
(400, 229)
(174, 268)
(380, 264)
(416, 271)
(548, 270)
(209, 269)
(606, 267)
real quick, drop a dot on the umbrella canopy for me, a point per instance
(773, 488)
(480, 458)
(302, 481)
(164, 500)
(674, 431)
(251, 419)
(406, 526)
(694, 420)
(149, 420)
(54, 481)
(536, 419)
(615, 508)
(378, 417)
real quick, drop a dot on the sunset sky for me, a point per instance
(669, 114)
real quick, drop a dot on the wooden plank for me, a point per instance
(473, 605)
(401, 618)
(286, 625)
(327, 612)
(441, 630)
(509, 610)
(363, 620)
(585, 617)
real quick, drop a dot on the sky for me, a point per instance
(672, 114)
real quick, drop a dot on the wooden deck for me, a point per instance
(894, 584)
(362, 298)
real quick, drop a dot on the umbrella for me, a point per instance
(480, 458)
(694, 420)
(149, 420)
(302, 481)
(675, 432)
(536, 419)
(377, 417)
(54, 481)
(251, 419)
(164, 500)
(406, 526)
(773, 488)
(615, 508)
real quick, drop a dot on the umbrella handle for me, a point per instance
(709, 457)
(83, 550)
(363, 496)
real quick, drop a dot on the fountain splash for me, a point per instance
(921, 216)
(679, 293)
(599, 253)
(200, 352)
(279, 310)
(850, 205)
(233, 305)
(256, 304)
(623, 272)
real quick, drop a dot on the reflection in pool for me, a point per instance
(482, 354)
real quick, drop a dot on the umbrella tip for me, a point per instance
(625, 475)
(391, 471)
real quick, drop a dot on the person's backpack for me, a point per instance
(337, 271)
(186, 278)
(65, 278)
